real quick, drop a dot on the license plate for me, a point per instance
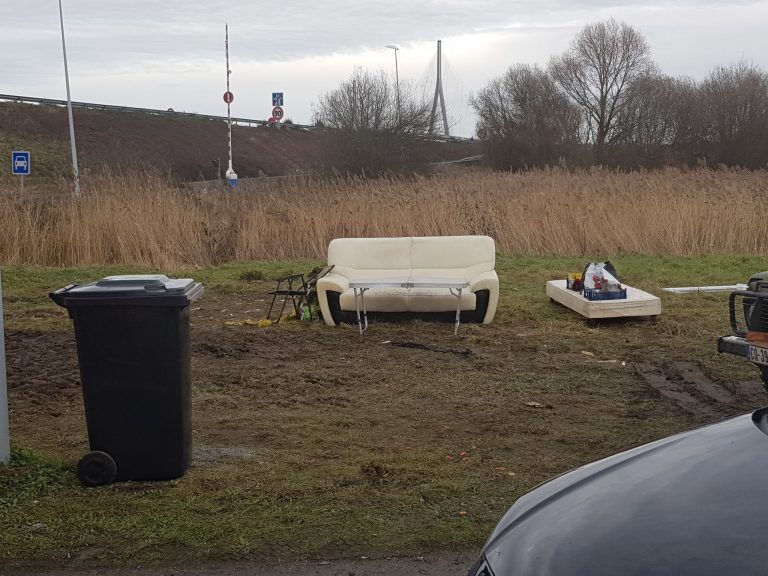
(758, 355)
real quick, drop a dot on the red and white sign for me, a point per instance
(271, 120)
(277, 113)
(228, 97)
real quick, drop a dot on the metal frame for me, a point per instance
(359, 288)
(748, 299)
(295, 292)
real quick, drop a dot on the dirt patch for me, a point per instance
(693, 391)
(420, 346)
(42, 369)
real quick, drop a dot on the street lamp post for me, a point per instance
(397, 79)
(75, 171)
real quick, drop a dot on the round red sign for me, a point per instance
(228, 97)
(277, 113)
(271, 120)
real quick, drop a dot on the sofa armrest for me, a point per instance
(335, 282)
(487, 281)
(330, 283)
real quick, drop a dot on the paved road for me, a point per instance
(437, 564)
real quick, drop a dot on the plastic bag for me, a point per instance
(601, 276)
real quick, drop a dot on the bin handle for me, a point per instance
(56, 294)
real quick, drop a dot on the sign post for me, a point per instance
(277, 98)
(20, 165)
(229, 98)
(5, 442)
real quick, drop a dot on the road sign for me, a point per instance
(228, 97)
(271, 120)
(20, 164)
(277, 113)
(277, 98)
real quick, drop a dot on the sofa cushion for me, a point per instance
(378, 300)
(437, 300)
(408, 300)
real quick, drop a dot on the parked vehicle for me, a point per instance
(748, 311)
(693, 504)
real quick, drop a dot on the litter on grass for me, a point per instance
(697, 289)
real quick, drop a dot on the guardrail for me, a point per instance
(171, 112)
(132, 109)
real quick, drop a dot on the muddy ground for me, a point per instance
(409, 443)
(327, 363)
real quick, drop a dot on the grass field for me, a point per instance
(309, 442)
(146, 220)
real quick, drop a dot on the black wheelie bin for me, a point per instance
(133, 347)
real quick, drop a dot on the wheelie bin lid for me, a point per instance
(137, 289)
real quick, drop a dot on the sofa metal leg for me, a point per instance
(458, 312)
(361, 292)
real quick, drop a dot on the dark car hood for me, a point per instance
(692, 504)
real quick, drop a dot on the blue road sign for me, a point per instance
(277, 98)
(20, 163)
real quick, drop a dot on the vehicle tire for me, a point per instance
(96, 469)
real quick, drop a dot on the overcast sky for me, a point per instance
(171, 53)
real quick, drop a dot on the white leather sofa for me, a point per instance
(471, 258)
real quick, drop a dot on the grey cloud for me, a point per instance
(125, 35)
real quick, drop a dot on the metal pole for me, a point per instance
(397, 80)
(698, 289)
(397, 86)
(5, 435)
(22, 184)
(229, 116)
(75, 171)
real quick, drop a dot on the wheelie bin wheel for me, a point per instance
(96, 469)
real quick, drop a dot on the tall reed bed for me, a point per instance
(145, 219)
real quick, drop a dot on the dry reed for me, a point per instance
(144, 219)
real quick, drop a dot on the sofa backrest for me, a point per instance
(370, 257)
(426, 256)
(452, 256)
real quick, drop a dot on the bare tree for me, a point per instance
(597, 70)
(657, 124)
(368, 101)
(525, 117)
(735, 113)
(375, 130)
